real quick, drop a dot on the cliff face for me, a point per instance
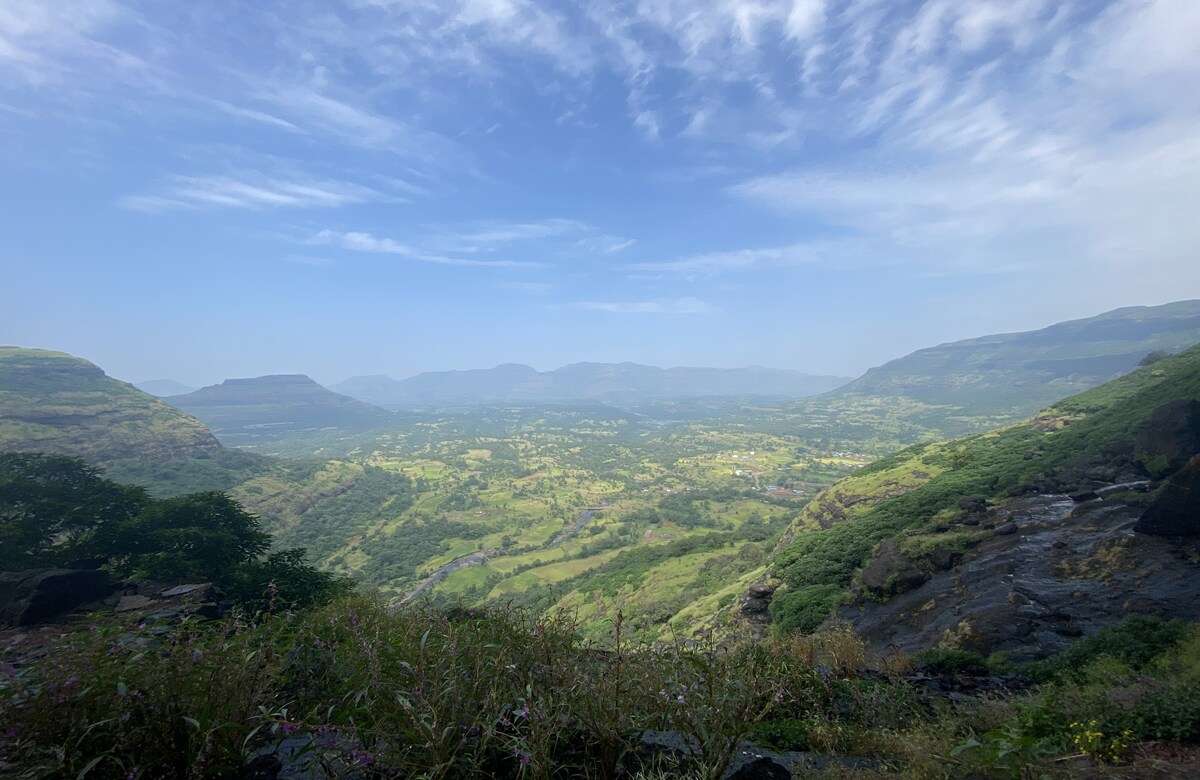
(54, 402)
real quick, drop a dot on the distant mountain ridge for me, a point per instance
(613, 382)
(1018, 373)
(237, 409)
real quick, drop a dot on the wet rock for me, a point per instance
(1006, 529)
(1086, 495)
(1176, 509)
(1135, 486)
(890, 571)
(944, 558)
(37, 596)
(1170, 437)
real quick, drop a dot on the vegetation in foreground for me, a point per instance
(367, 692)
(918, 494)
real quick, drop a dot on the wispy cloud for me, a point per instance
(685, 305)
(739, 259)
(366, 242)
(250, 192)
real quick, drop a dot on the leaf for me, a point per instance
(122, 689)
(192, 722)
(90, 766)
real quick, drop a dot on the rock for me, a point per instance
(944, 558)
(890, 572)
(1087, 495)
(763, 767)
(132, 602)
(973, 504)
(183, 590)
(37, 596)
(1006, 529)
(1136, 486)
(1175, 511)
(1170, 437)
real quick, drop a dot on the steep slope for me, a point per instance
(612, 382)
(978, 541)
(242, 410)
(1018, 373)
(161, 388)
(54, 402)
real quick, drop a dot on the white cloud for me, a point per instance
(657, 306)
(250, 191)
(365, 242)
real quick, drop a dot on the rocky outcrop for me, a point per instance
(890, 571)
(1176, 509)
(754, 610)
(30, 597)
(1170, 437)
(1062, 570)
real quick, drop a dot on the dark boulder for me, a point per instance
(1170, 437)
(890, 571)
(1175, 511)
(28, 597)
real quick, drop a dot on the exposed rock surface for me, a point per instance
(29, 597)
(1176, 509)
(1171, 436)
(890, 572)
(1063, 570)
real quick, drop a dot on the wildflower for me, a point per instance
(288, 728)
(525, 759)
(523, 712)
(362, 758)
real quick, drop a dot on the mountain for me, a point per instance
(161, 388)
(239, 410)
(1015, 540)
(55, 402)
(613, 382)
(1018, 373)
(58, 403)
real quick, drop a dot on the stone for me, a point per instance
(183, 590)
(134, 601)
(890, 572)
(1175, 511)
(29, 597)
(1169, 439)
(1006, 529)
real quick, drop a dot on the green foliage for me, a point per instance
(199, 535)
(1049, 453)
(947, 660)
(52, 508)
(1135, 642)
(56, 511)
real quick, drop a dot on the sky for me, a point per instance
(202, 190)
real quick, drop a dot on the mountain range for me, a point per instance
(1019, 373)
(609, 382)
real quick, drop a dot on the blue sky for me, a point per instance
(203, 190)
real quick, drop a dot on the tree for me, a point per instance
(197, 535)
(52, 508)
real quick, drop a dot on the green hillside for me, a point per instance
(268, 408)
(1019, 373)
(53, 402)
(915, 496)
